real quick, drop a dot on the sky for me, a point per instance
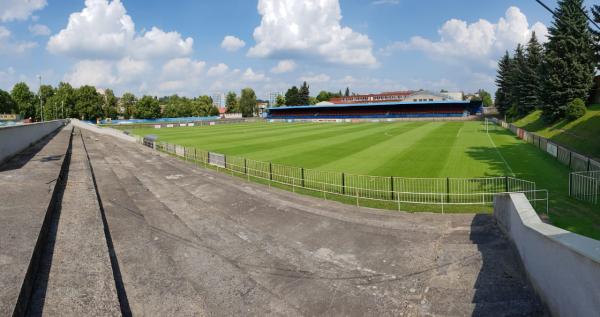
(192, 48)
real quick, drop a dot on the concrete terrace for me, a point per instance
(136, 232)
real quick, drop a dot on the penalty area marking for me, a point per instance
(500, 154)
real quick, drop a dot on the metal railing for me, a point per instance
(585, 186)
(401, 192)
(575, 161)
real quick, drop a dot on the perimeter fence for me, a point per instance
(401, 193)
(585, 186)
(575, 161)
(585, 171)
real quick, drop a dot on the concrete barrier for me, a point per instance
(106, 131)
(14, 139)
(562, 266)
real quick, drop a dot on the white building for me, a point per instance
(424, 96)
(454, 95)
(218, 99)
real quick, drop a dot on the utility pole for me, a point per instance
(63, 109)
(41, 103)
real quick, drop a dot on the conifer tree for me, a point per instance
(517, 82)
(531, 77)
(569, 62)
(503, 83)
(596, 34)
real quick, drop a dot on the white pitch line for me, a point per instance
(458, 133)
(500, 154)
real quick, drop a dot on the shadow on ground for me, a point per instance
(20, 159)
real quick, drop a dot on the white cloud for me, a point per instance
(320, 78)
(231, 43)
(8, 46)
(103, 30)
(92, 72)
(378, 2)
(250, 76)
(482, 41)
(284, 66)
(11, 10)
(179, 67)
(39, 30)
(131, 70)
(309, 28)
(217, 70)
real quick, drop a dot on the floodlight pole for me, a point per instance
(41, 103)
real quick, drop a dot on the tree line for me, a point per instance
(295, 96)
(87, 103)
(555, 77)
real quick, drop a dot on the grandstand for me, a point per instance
(428, 109)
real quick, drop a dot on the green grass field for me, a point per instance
(581, 135)
(409, 149)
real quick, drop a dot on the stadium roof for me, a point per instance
(400, 103)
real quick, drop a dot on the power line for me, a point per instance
(580, 9)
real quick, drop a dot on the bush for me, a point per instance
(575, 109)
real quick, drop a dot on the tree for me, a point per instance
(323, 96)
(304, 94)
(231, 102)
(596, 34)
(248, 102)
(347, 93)
(575, 109)
(64, 100)
(569, 62)
(128, 101)
(503, 83)
(25, 100)
(531, 77)
(280, 101)
(7, 104)
(147, 107)
(292, 97)
(109, 106)
(203, 107)
(517, 84)
(88, 103)
(485, 97)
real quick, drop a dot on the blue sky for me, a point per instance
(193, 47)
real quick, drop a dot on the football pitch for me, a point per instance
(407, 149)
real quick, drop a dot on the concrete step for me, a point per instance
(247, 230)
(75, 277)
(28, 194)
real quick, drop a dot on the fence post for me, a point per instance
(195, 157)
(570, 183)
(302, 173)
(588, 167)
(245, 167)
(448, 189)
(225, 161)
(506, 183)
(270, 171)
(392, 187)
(343, 184)
(570, 160)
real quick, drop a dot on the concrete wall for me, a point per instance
(106, 131)
(14, 139)
(562, 266)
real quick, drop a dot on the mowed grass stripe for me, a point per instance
(198, 139)
(292, 145)
(195, 134)
(323, 151)
(278, 139)
(460, 162)
(426, 155)
(378, 151)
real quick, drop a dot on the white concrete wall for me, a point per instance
(14, 139)
(106, 131)
(562, 266)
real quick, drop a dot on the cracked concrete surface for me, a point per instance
(191, 241)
